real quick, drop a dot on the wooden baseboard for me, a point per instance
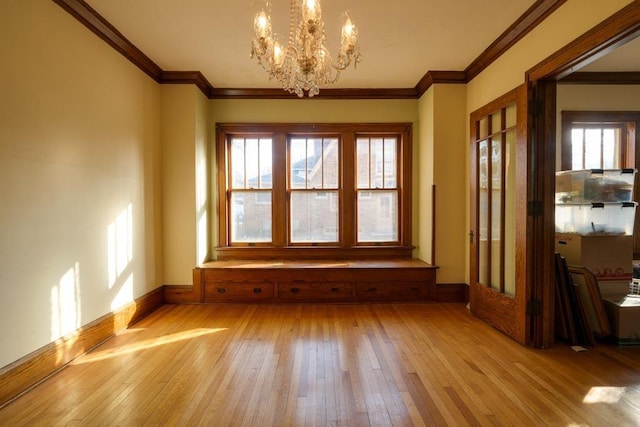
(452, 292)
(30, 370)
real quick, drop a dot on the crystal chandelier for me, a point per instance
(305, 64)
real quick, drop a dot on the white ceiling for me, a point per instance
(400, 40)
(625, 58)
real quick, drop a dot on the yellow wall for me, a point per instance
(423, 177)
(79, 177)
(571, 20)
(450, 178)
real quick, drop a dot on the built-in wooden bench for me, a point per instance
(253, 281)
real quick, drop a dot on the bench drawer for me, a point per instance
(230, 291)
(320, 291)
(395, 291)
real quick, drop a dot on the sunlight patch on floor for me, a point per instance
(604, 395)
(97, 356)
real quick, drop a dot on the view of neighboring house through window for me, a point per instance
(251, 184)
(335, 186)
(377, 188)
(313, 180)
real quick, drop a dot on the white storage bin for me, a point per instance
(595, 185)
(596, 218)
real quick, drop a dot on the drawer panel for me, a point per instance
(234, 291)
(403, 291)
(305, 291)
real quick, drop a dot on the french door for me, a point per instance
(498, 285)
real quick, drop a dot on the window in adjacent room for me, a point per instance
(597, 140)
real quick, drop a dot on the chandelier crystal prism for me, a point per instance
(305, 64)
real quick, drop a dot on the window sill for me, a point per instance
(314, 252)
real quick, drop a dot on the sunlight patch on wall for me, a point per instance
(604, 395)
(120, 244)
(65, 304)
(202, 211)
(125, 294)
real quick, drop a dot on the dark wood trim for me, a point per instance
(90, 18)
(537, 13)
(433, 224)
(347, 246)
(605, 37)
(451, 292)
(602, 78)
(107, 32)
(437, 77)
(276, 93)
(541, 221)
(188, 77)
(27, 372)
(314, 252)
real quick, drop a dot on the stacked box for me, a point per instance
(594, 224)
(624, 317)
(609, 258)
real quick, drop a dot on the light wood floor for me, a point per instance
(350, 365)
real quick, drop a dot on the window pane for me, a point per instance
(577, 145)
(511, 115)
(483, 127)
(251, 163)
(314, 163)
(496, 121)
(363, 165)
(377, 163)
(330, 163)
(250, 216)
(377, 216)
(314, 216)
(610, 148)
(390, 169)
(377, 160)
(592, 147)
(237, 163)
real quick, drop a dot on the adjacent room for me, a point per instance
(319, 212)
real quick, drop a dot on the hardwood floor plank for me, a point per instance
(334, 365)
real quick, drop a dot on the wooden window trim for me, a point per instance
(346, 248)
(627, 121)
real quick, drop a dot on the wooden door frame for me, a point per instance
(541, 82)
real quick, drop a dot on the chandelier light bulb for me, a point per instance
(262, 24)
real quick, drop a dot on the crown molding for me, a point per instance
(435, 77)
(90, 18)
(329, 93)
(107, 32)
(537, 13)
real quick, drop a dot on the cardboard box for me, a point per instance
(610, 258)
(613, 288)
(624, 316)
